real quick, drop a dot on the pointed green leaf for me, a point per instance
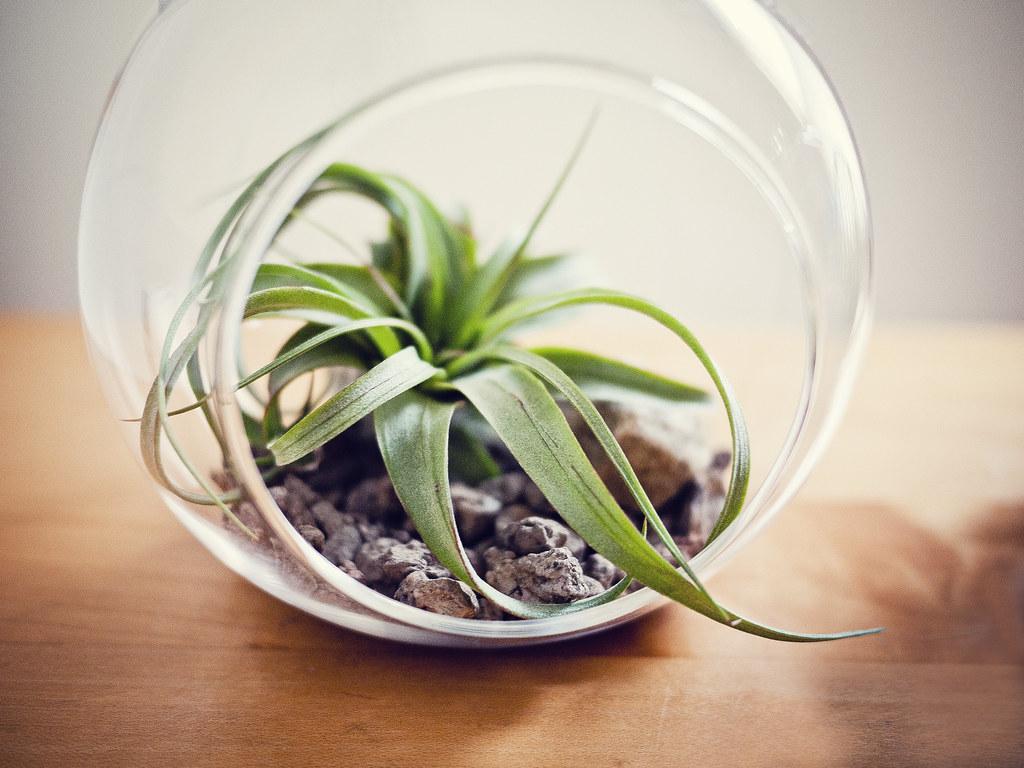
(469, 459)
(489, 281)
(605, 379)
(555, 377)
(317, 306)
(412, 431)
(428, 267)
(529, 421)
(360, 279)
(396, 374)
(502, 321)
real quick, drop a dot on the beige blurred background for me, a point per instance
(934, 90)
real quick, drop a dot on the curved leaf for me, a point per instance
(604, 378)
(396, 374)
(428, 268)
(317, 306)
(488, 283)
(369, 282)
(515, 313)
(530, 273)
(529, 421)
(412, 431)
(556, 378)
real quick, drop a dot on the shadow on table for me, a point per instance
(955, 618)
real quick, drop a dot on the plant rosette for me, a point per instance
(560, 519)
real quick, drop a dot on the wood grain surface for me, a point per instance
(122, 642)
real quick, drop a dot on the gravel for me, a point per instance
(346, 509)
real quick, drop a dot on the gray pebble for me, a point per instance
(706, 506)
(292, 503)
(350, 569)
(446, 596)
(296, 487)
(552, 577)
(511, 514)
(501, 570)
(375, 498)
(475, 512)
(539, 534)
(329, 519)
(602, 569)
(507, 488)
(665, 446)
(388, 560)
(343, 544)
(313, 535)
(594, 587)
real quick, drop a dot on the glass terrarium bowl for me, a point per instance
(721, 181)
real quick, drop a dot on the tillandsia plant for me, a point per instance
(431, 328)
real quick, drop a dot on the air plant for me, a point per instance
(431, 328)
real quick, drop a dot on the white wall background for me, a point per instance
(934, 89)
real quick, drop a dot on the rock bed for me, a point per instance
(346, 508)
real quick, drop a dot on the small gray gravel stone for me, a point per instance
(539, 534)
(501, 570)
(292, 504)
(343, 544)
(594, 587)
(375, 498)
(511, 514)
(296, 487)
(313, 535)
(328, 518)
(602, 569)
(552, 577)
(665, 446)
(475, 512)
(507, 488)
(706, 506)
(446, 596)
(350, 569)
(389, 560)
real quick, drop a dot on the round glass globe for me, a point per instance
(721, 181)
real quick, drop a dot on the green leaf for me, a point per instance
(363, 280)
(308, 349)
(208, 285)
(503, 320)
(470, 461)
(317, 306)
(529, 421)
(605, 379)
(556, 378)
(396, 374)
(270, 275)
(530, 273)
(428, 267)
(489, 281)
(412, 431)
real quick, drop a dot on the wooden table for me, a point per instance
(122, 642)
